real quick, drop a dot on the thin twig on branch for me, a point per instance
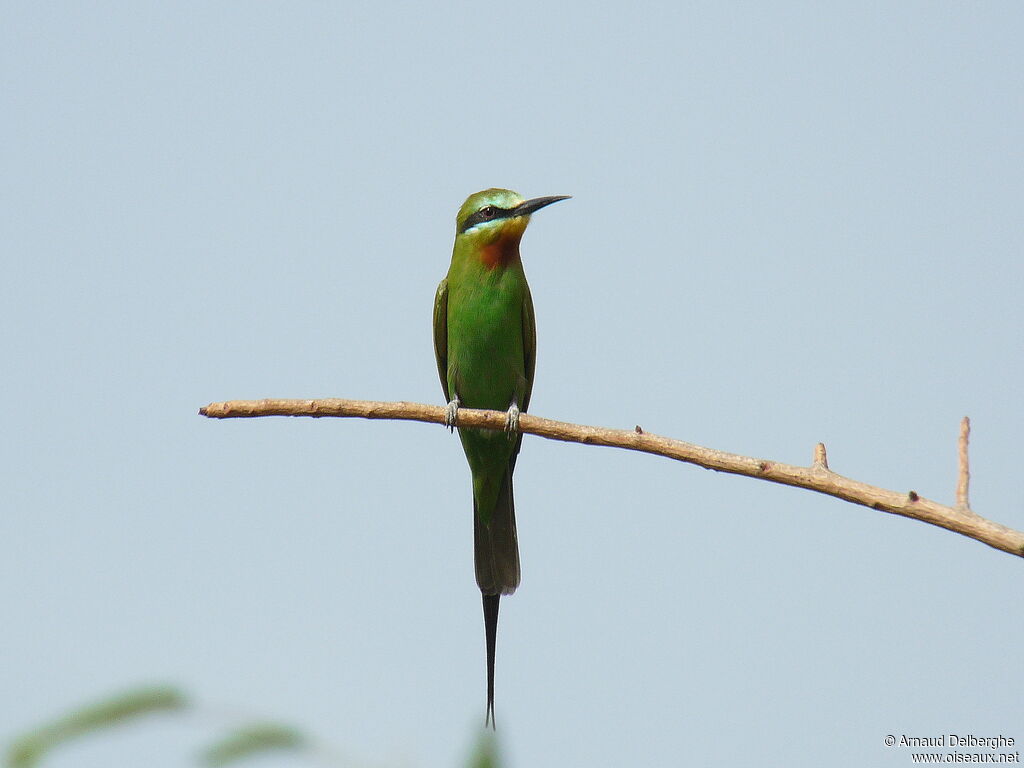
(817, 477)
(963, 482)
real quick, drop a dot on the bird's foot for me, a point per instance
(451, 414)
(512, 421)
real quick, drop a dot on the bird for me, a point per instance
(485, 343)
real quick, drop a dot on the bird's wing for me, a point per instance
(529, 347)
(441, 335)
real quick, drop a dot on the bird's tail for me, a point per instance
(496, 547)
(491, 631)
(497, 569)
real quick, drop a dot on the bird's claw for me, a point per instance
(512, 421)
(451, 414)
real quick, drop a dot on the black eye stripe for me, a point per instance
(487, 213)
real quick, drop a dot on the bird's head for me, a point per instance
(497, 217)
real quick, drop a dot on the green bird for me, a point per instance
(485, 342)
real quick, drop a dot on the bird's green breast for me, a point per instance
(486, 360)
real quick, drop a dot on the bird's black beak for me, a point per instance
(530, 206)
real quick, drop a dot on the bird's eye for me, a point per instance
(487, 212)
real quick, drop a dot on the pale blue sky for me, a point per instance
(791, 222)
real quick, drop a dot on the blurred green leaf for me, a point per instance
(27, 751)
(486, 754)
(251, 740)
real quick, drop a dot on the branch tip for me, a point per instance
(820, 457)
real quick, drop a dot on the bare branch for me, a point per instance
(817, 477)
